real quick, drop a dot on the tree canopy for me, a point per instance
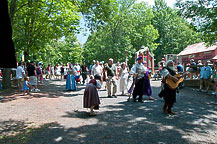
(202, 14)
(133, 25)
(175, 33)
(37, 24)
(45, 30)
(128, 30)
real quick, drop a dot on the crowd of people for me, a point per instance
(35, 73)
(28, 77)
(206, 72)
(111, 73)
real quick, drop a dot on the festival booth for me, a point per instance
(148, 58)
(198, 51)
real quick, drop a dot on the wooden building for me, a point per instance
(198, 51)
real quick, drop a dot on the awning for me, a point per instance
(215, 58)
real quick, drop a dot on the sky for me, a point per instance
(151, 2)
(82, 37)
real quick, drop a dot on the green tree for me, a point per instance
(36, 22)
(174, 32)
(129, 28)
(61, 51)
(202, 14)
(97, 12)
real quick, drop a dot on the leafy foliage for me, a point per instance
(45, 29)
(129, 29)
(37, 22)
(97, 12)
(202, 14)
(174, 32)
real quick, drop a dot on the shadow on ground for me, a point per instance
(49, 89)
(126, 123)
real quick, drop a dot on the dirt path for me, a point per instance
(54, 115)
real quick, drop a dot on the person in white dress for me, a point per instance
(58, 71)
(52, 72)
(123, 75)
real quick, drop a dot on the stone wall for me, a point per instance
(195, 83)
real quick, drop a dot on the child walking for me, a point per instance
(26, 86)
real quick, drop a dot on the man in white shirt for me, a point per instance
(20, 74)
(97, 69)
(77, 68)
(138, 70)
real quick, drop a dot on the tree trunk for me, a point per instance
(6, 79)
(26, 55)
(12, 10)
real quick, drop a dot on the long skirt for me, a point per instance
(123, 84)
(70, 82)
(147, 87)
(91, 97)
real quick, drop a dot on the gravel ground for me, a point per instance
(55, 115)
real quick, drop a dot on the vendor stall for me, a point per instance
(148, 58)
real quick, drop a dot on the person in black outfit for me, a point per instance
(167, 93)
(31, 70)
(84, 71)
(62, 71)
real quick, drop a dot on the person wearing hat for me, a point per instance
(111, 77)
(167, 93)
(205, 75)
(138, 70)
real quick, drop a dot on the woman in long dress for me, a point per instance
(52, 72)
(147, 85)
(58, 71)
(123, 74)
(70, 81)
(91, 97)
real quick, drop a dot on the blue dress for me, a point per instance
(25, 87)
(70, 82)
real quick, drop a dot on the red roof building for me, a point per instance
(198, 51)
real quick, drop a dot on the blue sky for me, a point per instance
(82, 37)
(151, 2)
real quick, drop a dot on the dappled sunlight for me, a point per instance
(119, 121)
